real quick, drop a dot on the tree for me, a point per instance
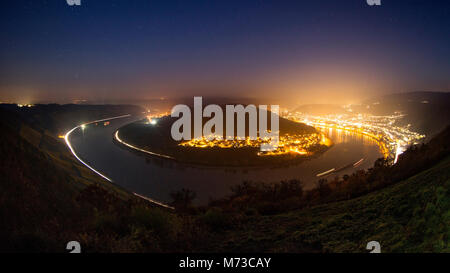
(323, 187)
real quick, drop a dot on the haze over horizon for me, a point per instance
(291, 51)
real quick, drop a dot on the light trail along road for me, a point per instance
(67, 140)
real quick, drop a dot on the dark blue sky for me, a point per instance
(304, 51)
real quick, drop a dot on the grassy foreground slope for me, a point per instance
(411, 216)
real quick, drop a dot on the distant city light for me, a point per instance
(153, 120)
(393, 140)
(24, 105)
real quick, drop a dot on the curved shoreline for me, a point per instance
(69, 145)
(156, 176)
(67, 136)
(117, 138)
(204, 166)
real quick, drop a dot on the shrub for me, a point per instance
(216, 219)
(154, 219)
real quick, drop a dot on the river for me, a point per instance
(157, 178)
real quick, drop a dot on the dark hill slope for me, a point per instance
(411, 216)
(427, 112)
(47, 198)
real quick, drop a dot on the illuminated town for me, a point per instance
(288, 144)
(392, 139)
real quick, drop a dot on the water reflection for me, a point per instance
(342, 136)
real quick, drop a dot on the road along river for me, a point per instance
(156, 178)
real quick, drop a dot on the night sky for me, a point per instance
(298, 51)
